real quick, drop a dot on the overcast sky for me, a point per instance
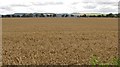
(58, 6)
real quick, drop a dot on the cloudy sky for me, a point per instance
(58, 6)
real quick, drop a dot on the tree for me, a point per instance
(24, 15)
(63, 15)
(84, 15)
(54, 15)
(92, 16)
(99, 15)
(30, 15)
(66, 15)
(47, 15)
(103, 15)
(50, 15)
(72, 15)
(36, 15)
(3, 16)
(118, 15)
(78, 16)
(110, 15)
(7, 15)
(42, 15)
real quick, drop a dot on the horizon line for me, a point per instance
(63, 13)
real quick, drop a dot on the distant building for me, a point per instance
(19, 14)
(76, 14)
(48, 14)
(58, 15)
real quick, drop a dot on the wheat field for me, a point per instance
(59, 40)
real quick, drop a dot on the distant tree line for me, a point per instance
(62, 15)
(102, 15)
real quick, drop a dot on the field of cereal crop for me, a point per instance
(59, 40)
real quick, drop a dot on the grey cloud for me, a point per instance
(108, 3)
(87, 2)
(90, 6)
(115, 4)
(119, 8)
(19, 5)
(47, 3)
(107, 10)
(102, 3)
(119, 4)
(105, 3)
(7, 8)
(75, 3)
